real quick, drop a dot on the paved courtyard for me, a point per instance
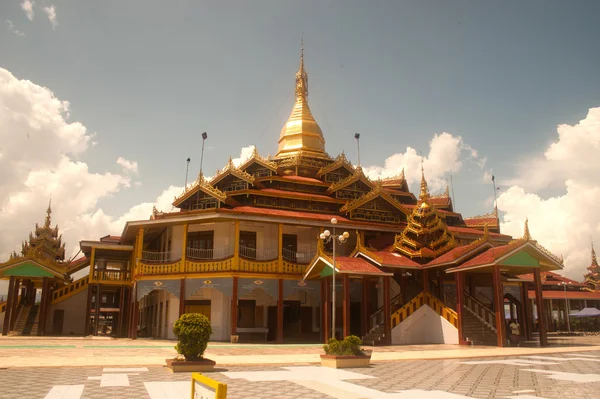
(573, 374)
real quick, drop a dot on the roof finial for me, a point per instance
(594, 259)
(48, 213)
(301, 77)
(486, 231)
(424, 194)
(526, 234)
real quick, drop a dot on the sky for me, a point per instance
(101, 103)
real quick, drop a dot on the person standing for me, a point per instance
(515, 332)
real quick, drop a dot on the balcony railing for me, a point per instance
(258, 254)
(111, 275)
(296, 257)
(156, 257)
(213, 253)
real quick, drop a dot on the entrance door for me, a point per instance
(57, 322)
(248, 244)
(202, 307)
(272, 323)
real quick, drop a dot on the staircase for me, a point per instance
(27, 321)
(374, 336)
(478, 322)
(377, 319)
(70, 290)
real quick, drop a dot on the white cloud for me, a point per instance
(447, 154)
(565, 223)
(27, 6)
(128, 166)
(40, 152)
(11, 27)
(245, 154)
(50, 11)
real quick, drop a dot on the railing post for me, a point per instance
(92, 263)
(236, 246)
(280, 247)
(184, 249)
(460, 283)
(499, 305)
(386, 310)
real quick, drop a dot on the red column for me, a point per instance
(9, 301)
(346, 301)
(280, 313)
(42, 318)
(234, 312)
(121, 310)
(499, 306)
(426, 280)
(182, 297)
(364, 311)
(326, 309)
(15, 304)
(387, 310)
(540, 307)
(460, 289)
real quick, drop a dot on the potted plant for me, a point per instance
(193, 331)
(345, 354)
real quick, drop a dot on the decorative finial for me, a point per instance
(486, 231)
(301, 77)
(424, 194)
(527, 235)
(48, 213)
(255, 152)
(594, 259)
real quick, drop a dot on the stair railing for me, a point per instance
(377, 318)
(440, 308)
(409, 308)
(479, 310)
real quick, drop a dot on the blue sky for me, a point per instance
(148, 77)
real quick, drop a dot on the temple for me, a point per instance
(257, 249)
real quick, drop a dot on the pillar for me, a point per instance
(527, 316)
(499, 306)
(92, 264)
(88, 311)
(387, 322)
(183, 251)
(182, 297)
(324, 310)
(346, 304)
(280, 247)
(234, 294)
(540, 307)
(121, 310)
(42, 318)
(425, 280)
(280, 312)
(136, 313)
(97, 310)
(14, 312)
(236, 249)
(460, 289)
(364, 310)
(9, 301)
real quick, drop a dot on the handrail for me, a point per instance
(296, 257)
(480, 311)
(111, 275)
(440, 308)
(424, 298)
(405, 311)
(155, 256)
(74, 287)
(258, 254)
(377, 316)
(209, 254)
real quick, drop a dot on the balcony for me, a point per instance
(258, 254)
(297, 257)
(157, 257)
(209, 254)
(111, 275)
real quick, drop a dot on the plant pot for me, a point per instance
(345, 362)
(201, 365)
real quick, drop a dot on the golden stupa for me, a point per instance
(301, 133)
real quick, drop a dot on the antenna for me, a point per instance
(357, 137)
(187, 167)
(201, 176)
(495, 196)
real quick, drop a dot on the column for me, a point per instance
(280, 247)
(326, 308)
(280, 312)
(364, 310)
(121, 310)
(387, 311)
(527, 316)
(425, 280)
(540, 307)
(234, 297)
(97, 310)
(183, 250)
(88, 311)
(92, 264)
(182, 297)
(136, 313)
(14, 312)
(460, 289)
(499, 306)
(41, 325)
(346, 304)
(9, 300)
(236, 249)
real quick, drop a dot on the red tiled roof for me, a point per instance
(555, 279)
(110, 238)
(381, 242)
(561, 295)
(302, 179)
(389, 258)
(456, 253)
(356, 265)
(277, 192)
(489, 256)
(469, 230)
(481, 221)
(77, 263)
(439, 200)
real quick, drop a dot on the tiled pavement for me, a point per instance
(574, 375)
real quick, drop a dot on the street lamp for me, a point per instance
(564, 284)
(326, 236)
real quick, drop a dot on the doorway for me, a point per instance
(200, 306)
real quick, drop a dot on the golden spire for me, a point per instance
(301, 132)
(424, 194)
(48, 213)
(594, 259)
(526, 234)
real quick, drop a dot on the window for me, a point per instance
(248, 244)
(201, 240)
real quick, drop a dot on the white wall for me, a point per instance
(220, 309)
(424, 326)
(74, 317)
(223, 236)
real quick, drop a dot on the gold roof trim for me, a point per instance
(377, 191)
(340, 161)
(394, 178)
(230, 169)
(267, 163)
(203, 185)
(493, 214)
(357, 175)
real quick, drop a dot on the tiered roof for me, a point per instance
(592, 277)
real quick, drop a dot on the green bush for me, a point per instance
(193, 332)
(350, 346)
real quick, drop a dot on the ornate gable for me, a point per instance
(592, 277)
(201, 195)
(353, 186)
(258, 166)
(338, 170)
(376, 205)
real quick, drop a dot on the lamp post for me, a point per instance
(326, 236)
(567, 311)
(201, 175)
